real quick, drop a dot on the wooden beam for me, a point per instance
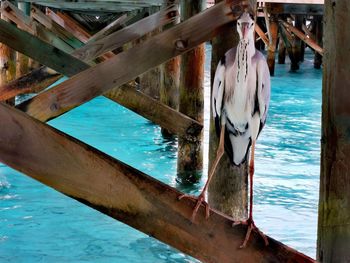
(262, 35)
(288, 39)
(130, 64)
(69, 24)
(28, 44)
(28, 24)
(55, 28)
(310, 42)
(299, 9)
(273, 23)
(127, 34)
(126, 194)
(68, 65)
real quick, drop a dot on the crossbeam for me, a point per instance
(310, 42)
(134, 100)
(126, 194)
(130, 64)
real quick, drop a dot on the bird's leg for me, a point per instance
(250, 221)
(201, 198)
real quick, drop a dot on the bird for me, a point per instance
(240, 102)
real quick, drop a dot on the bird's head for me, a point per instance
(245, 26)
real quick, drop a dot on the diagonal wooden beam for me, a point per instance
(68, 65)
(262, 35)
(69, 25)
(27, 23)
(55, 28)
(126, 194)
(33, 47)
(130, 64)
(310, 42)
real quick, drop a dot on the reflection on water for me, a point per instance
(39, 224)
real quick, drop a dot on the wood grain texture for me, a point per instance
(334, 203)
(126, 194)
(130, 64)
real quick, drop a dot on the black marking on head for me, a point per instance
(247, 126)
(262, 86)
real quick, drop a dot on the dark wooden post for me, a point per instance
(191, 101)
(7, 65)
(318, 31)
(169, 90)
(227, 191)
(334, 205)
(281, 52)
(299, 44)
(22, 61)
(151, 81)
(273, 43)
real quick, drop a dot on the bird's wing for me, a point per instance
(264, 88)
(218, 93)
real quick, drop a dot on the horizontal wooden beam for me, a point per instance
(126, 194)
(298, 9)
(131, 63)
(310, 42)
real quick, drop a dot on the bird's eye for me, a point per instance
(239, 23)
(252, 24)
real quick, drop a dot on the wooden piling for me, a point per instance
(22, 61)
(281, 52)
(169, 90)
(334, 203)
(299, 47)
(272, 44)
(7, 65)
(288, 40)
(227, 190)
(318, 31)
(191, 101)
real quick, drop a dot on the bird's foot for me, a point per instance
(199, 200)
(251, 226)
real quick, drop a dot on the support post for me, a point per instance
(334, 205)
(7, 65)
(169, 90)
(272, 44)
(318, 27)
(299, 46)
(227, 190)
(191, 101)
(281, 52)
(22, 61)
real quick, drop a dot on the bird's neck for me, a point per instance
(245, 51)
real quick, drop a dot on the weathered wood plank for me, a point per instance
(104, 76)
(69, 24)
(55, 28)
(310, 42)
(68, 65)
(334, 204)
(155, 111)
(28, 24)
(30, 45)
(127, 34)
(126, 194)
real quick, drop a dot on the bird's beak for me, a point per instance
(244, 29)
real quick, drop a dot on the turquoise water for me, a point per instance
(37, 224)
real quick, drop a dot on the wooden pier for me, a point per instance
(96, 44)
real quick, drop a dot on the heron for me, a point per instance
(240, 102)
